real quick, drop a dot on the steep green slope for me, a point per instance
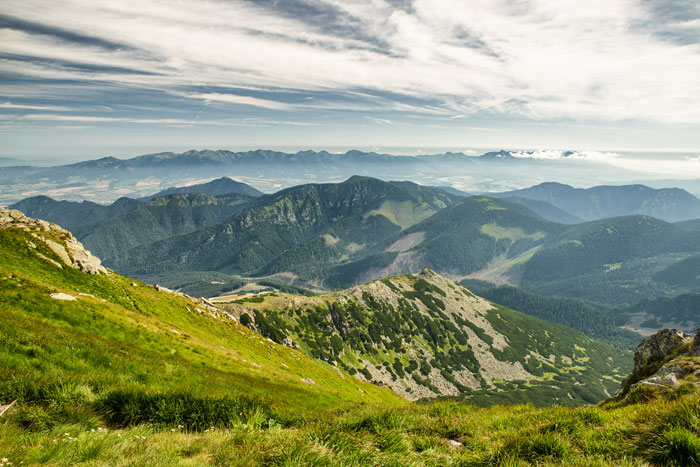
(71, 214)
(220, 186)
(157, 219)
(70, 340)
(425, 336)
(311, 224)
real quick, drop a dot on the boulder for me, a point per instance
(63, 296)
(655, 348)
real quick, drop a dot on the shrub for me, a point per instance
(641, 394)
(379, 422)
(130, 407)
(541, 446)
(677, 446)
(685, 415)
(392, 442)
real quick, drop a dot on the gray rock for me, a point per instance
(63, 296)
(695, 348)
(657, 347)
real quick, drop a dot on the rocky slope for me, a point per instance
(425, 336)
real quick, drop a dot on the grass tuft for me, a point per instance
(131, 407)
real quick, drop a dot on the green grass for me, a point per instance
(118, 336)
(613, 433)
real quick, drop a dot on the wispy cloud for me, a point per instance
(242, 100)
(52, 108)
(590, 62)
(600, 156)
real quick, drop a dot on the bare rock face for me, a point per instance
(657, 347)
(67, 248)
(695, 348)
(661, 360)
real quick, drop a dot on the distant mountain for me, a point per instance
(422, 335)
(296, 230)
(497, 155)
(691, 224)
(9, 161)
(613, 260)
(669, 204)
(546, 210)
(70, 214)
(220, 186)
(453, 191)
(159, 218)
(461, 239)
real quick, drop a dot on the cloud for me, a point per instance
(53, 108)
(570, 155)
(242, 100)
(597, 61)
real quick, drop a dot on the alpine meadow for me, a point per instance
(364, 233)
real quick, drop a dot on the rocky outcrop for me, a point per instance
(695, 348)
(663, 359)
(69, 250)
(657, 347)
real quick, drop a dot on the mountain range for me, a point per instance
(331, 236)
(105, 178)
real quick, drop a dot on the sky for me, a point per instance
(89, 78)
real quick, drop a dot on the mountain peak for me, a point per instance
(423, 335)
(502, 154)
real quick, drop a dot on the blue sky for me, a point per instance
(86, 78)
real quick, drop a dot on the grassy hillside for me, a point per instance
(425, 336)
(63, 360)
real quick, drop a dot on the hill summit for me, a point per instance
(424, 336)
